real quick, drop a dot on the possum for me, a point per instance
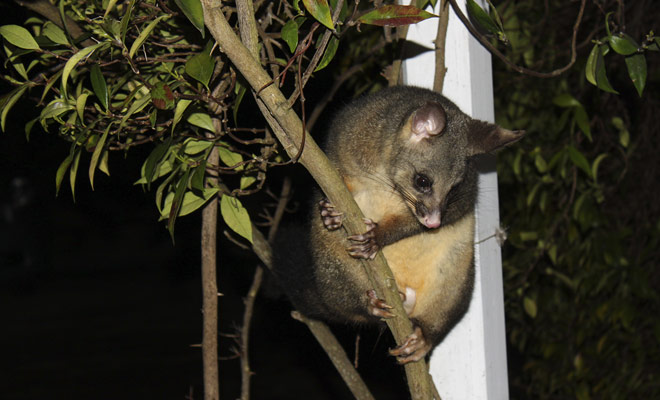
(406, 155)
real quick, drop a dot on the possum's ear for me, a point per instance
(429, 120)
(484, 137)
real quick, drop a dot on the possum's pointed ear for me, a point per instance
(484, 137)
(429, 120)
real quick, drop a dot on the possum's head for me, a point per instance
(432, 170)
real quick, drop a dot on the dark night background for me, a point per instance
(98, 302)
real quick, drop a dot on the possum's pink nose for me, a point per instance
(432, 220)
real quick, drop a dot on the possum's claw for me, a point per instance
(414, 348)
(332, 219)
(365, 245)
(377, 307)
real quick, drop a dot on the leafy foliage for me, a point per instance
(581, 265)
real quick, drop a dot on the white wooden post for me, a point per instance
(471, 362)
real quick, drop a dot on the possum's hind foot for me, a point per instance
(377, 307)
(414, 348)
(332, 219)
(364, 245)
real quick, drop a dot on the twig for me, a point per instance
(440, 41)
(337, 355)
(511, 64)
(317, 55)
(246, 372)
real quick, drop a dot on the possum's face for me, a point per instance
(432, 169)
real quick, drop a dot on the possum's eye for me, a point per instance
(422, 183)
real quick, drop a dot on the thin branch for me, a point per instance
(317, 55)
(210, 292)
(511, 64)
(440, 42)
(337, 355)
(246, 372)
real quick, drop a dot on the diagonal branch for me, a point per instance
(288, 128)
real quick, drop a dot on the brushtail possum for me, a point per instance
(406, 156)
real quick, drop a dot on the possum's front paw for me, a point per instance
(414, 348)
(364, 245)
(332, 219)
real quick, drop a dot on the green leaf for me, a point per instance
(579, 160)
(246, 181)
(49, 84)
(193, 10)
(320, 10)
(240, 91)
(290, 34)
(623, 44)
(19, 37)
(590, 68)
(200, 67)
(154, 160)
(109, 7)
(190, 202)
(202, 120)
(582, 120)
(177, 201)
(103, 164)
(482, 18)
(566, 100)
(54, 109)
(329, 53)
(530, 307)
(595, 69)
(236, 216)
(395, 15)
(136, 106)
(28, 128)
(73, 171)
(179, 110)
(100, 146)
(624, 134)
(81, 101)
(61, 170)
(197, 180)
(55, 33)
(126, 20)
(230, 158)
(99, 86)
(74, 60)
(637, 71)
(596, 164)
(162, 96)
(144, 35)
(7, 102)
(195, 146)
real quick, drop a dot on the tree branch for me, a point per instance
(493, 50)
(210, 293)
(336, 352)
(440, 42)
(288, 127)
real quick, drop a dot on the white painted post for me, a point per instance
(471, 362)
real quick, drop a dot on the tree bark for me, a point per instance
(210, 293)
(288, 128)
